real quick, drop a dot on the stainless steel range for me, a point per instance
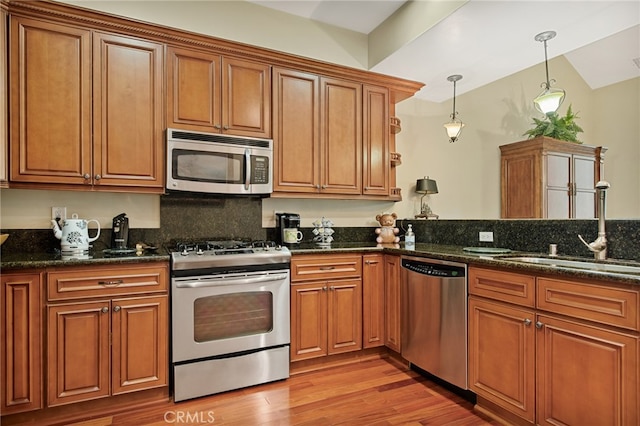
(230, 316)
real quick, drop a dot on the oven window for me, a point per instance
(232, 315)
(208, 166)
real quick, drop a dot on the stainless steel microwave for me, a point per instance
(219, 164)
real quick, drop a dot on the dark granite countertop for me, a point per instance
(458, 254)
(97, 257)
(435, 251)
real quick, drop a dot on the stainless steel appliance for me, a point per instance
(218, 164)
(286, 221)
(230, 316)
(434, 317)
(120, 232)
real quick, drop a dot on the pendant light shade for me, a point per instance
(550, 99)
(454, 127)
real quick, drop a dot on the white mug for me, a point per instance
(292, 235)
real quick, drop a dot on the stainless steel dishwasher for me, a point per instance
(434, 317)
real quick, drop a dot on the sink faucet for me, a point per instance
(599, 246)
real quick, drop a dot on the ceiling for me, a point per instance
(485, 41)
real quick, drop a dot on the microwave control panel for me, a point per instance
(259, 169)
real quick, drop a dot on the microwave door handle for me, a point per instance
(247, 168)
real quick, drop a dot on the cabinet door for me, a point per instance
(193, 90)
(246, 98)
(392, 302)
(128, 105)
(308, 320)
(4, 105)
(373, 324)
(77, 352)
(344, 316)
(139, 344)
(21, 374)
(375, 151)
(341, 136)
(50, 109)
(558, 187)
(296, 131)
(502, 356)
(576, 360)
(584, 178)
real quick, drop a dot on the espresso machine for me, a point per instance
(120, 232)
(288, 229)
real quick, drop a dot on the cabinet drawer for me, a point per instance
(607, 305)
(325, 267)
(112, 280)
(505, 286)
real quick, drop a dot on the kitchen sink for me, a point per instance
(605, 268)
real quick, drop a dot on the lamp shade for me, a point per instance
(549, 100)
(426, 186)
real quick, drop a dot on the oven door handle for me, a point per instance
(247, 167)
(207, 282)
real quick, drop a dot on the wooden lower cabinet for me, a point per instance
(570, 360)
(392, 302)
(326, 305)
(373, 306)
(107, 331)
(21, 354)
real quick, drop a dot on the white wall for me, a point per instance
(467, 171)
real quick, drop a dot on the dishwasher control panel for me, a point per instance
(433, 269)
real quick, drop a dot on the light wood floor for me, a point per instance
(375, 392)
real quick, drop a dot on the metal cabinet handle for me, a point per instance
(539, 324)
(98, 177)
(527, 321)
(86, 176)
(317, 186)
(332, 288)
(104, 310)
(324, 288)
(112, 283)
(216, 126)
(116, 308)
(370, 262)
(323, 186)
(225, 127)
(327, 268)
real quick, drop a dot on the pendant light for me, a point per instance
(454, 127)
(551, 98)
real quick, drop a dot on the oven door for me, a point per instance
(223, 314)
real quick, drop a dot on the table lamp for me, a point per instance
(426, 186)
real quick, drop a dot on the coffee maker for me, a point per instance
(120, 232)
(287, 221)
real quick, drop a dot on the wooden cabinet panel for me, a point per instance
(296, 131)
(21, 374)
(341, 136)
(505, 286)
(312, 267)
(373, 320)
(4, 103)
(502, 356)
(50, 110)
(127, 90)
(376, 162)
(193, 89)
(78, 352)
(344, 316)
(308, 320)
(606, 305)
(392, 302)
(106, 280)
(140, 333)
(575, 359)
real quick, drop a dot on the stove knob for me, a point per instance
(199, 252)
(184, 252)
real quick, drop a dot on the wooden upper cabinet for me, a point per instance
(128, 130)
(86, 109)
(211, 93)
(341, 136)
(548, 178)
(296, 131)
(376, 162)
(50, 102)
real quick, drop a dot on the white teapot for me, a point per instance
(74, 234)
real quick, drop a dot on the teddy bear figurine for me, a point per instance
(387, 233)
